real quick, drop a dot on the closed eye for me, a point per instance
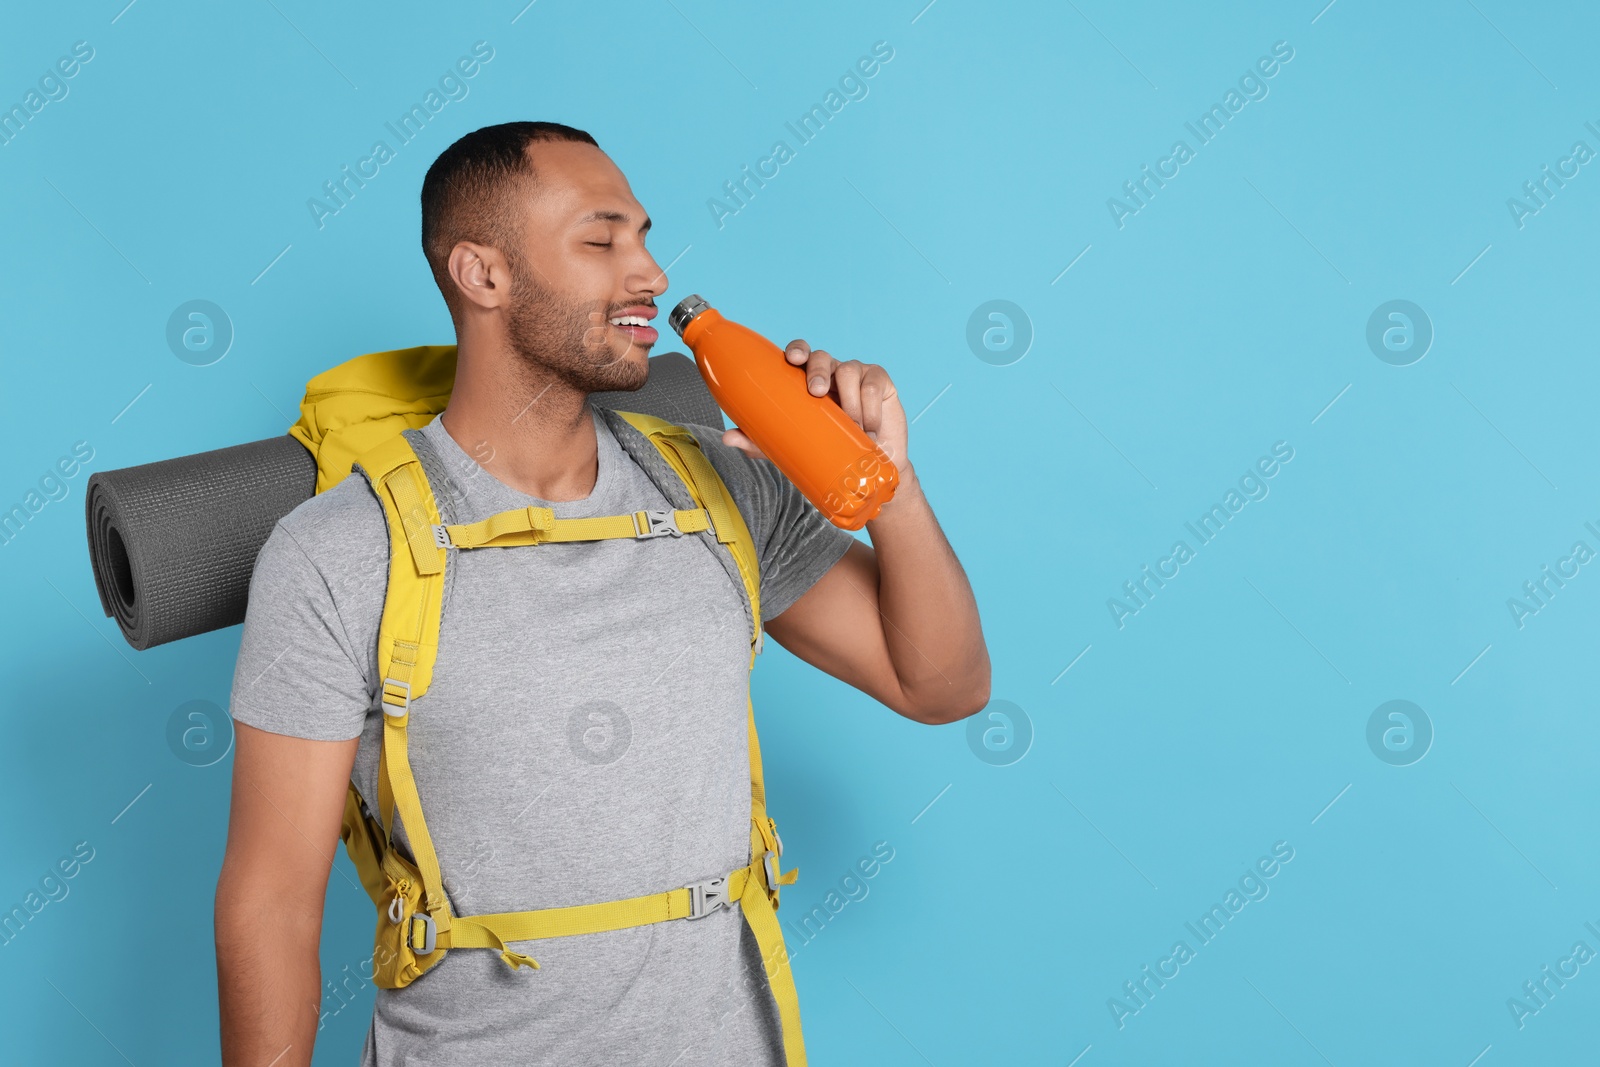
(598, 244)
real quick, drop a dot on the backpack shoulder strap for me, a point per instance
(408, 638)
(683, 454)
(408, 643)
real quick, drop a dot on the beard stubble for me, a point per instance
(568, 338)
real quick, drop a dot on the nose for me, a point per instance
(647, 278)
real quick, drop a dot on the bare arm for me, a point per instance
(897, 620)
(283, 830)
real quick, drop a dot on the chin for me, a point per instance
(626, 374)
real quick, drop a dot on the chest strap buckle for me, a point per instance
(706, 897)
(655, 524)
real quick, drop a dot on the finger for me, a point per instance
(847, 384)
(874, 387)
(798, 351)
(819, 372)
(735, 438)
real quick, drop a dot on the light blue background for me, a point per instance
(1223, 317)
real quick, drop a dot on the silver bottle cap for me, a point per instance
(685, 312)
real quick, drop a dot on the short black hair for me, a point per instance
(465, 193)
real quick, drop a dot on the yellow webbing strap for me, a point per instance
(410, 808)
(408, 643)
(536, 526)
(760, 905)
(492, 931)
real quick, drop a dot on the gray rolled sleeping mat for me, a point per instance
(173, 543)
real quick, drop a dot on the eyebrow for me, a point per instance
(613, 216)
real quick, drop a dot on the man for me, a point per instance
(538, 245)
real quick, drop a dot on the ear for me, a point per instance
(480, 274)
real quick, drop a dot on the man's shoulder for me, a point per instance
(730, 462)
(310, 629)
(753, 483)
(738, 471)
(741, 473)
(341, 529)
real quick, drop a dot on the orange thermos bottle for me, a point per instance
(829, 458)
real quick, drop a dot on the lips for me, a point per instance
(635, 323)
(640, 335)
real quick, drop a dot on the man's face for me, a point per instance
(584, 291)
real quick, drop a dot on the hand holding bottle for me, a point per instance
(863, 390)
(836, 429)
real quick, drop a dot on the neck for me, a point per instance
(523, 424)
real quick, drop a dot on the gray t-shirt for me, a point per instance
(584, 739)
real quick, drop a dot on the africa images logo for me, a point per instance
(452, 86)
(1252, 887)
(852, 86)
(1210, 123)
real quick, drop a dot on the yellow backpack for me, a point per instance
(353, 416)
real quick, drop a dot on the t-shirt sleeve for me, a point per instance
(795, 543)
(297, 672)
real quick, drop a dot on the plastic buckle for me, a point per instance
(771, 860)
(441, 536)
(706, 897)
(391, 708)
(429, 933)
(661, 523)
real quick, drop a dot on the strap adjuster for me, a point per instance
(441, 536)
(656, 524)
(430, 933)
(396, 708)
(707, 896)
(408, 936)
(771, 860)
